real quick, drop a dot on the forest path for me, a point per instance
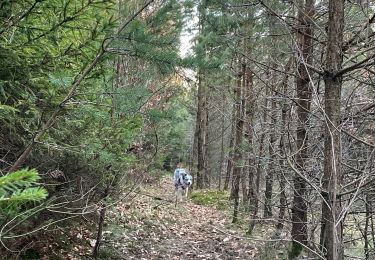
(151, 227)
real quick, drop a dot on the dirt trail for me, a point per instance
(150, 228)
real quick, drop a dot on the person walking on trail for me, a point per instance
(178, 176)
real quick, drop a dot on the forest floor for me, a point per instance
(145, 224)
(150, 226)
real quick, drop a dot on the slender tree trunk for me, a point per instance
(200, 126)
(272, 155)
(244, 175)
(305, 49)
(230, 154)
(372, 224)
(282, 178)
(367, 223)
(99, 234)
(207, 166)
(194, 152)
(331, 232)
(254, 206)
(237, 149)
(249, 135)
(201, 121)
(222, 152)
(231, 148)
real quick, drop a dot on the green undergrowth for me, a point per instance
(212, 198)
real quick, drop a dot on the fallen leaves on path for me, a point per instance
(149, 228)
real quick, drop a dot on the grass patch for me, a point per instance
(212, 198)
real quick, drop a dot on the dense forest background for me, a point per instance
(271, 104)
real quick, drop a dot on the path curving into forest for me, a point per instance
(151, 227)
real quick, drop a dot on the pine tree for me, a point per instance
(18, 188)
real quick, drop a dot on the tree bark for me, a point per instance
(245, 90)
(272, 155)
(102, 213)
(367, 224)
(237, 149)
(331, 230)
(201, 120)
(254, 203)
(207, 166)
(249, 117)
(200, 126)
(222, 152)
(230, 154)
(303, 89)
(282, 178)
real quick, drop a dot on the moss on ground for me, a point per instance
(212, 198)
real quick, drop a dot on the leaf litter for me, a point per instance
(153, 228)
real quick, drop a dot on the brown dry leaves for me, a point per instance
(146, 228)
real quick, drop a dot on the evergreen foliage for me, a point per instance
(114, 127)
(18, 188)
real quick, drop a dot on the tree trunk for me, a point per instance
(201, 120)
(222, 140)
(331, 231)
(249, 135)
(237, 149)
(194, 155)
(305, 49)
(367, 224)
(282, 178)
(254, 203)
(272, 155)
(207, 166)
(231, 147)
(99, 234)
(244, 175)
(200, 126)
(372, 224)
